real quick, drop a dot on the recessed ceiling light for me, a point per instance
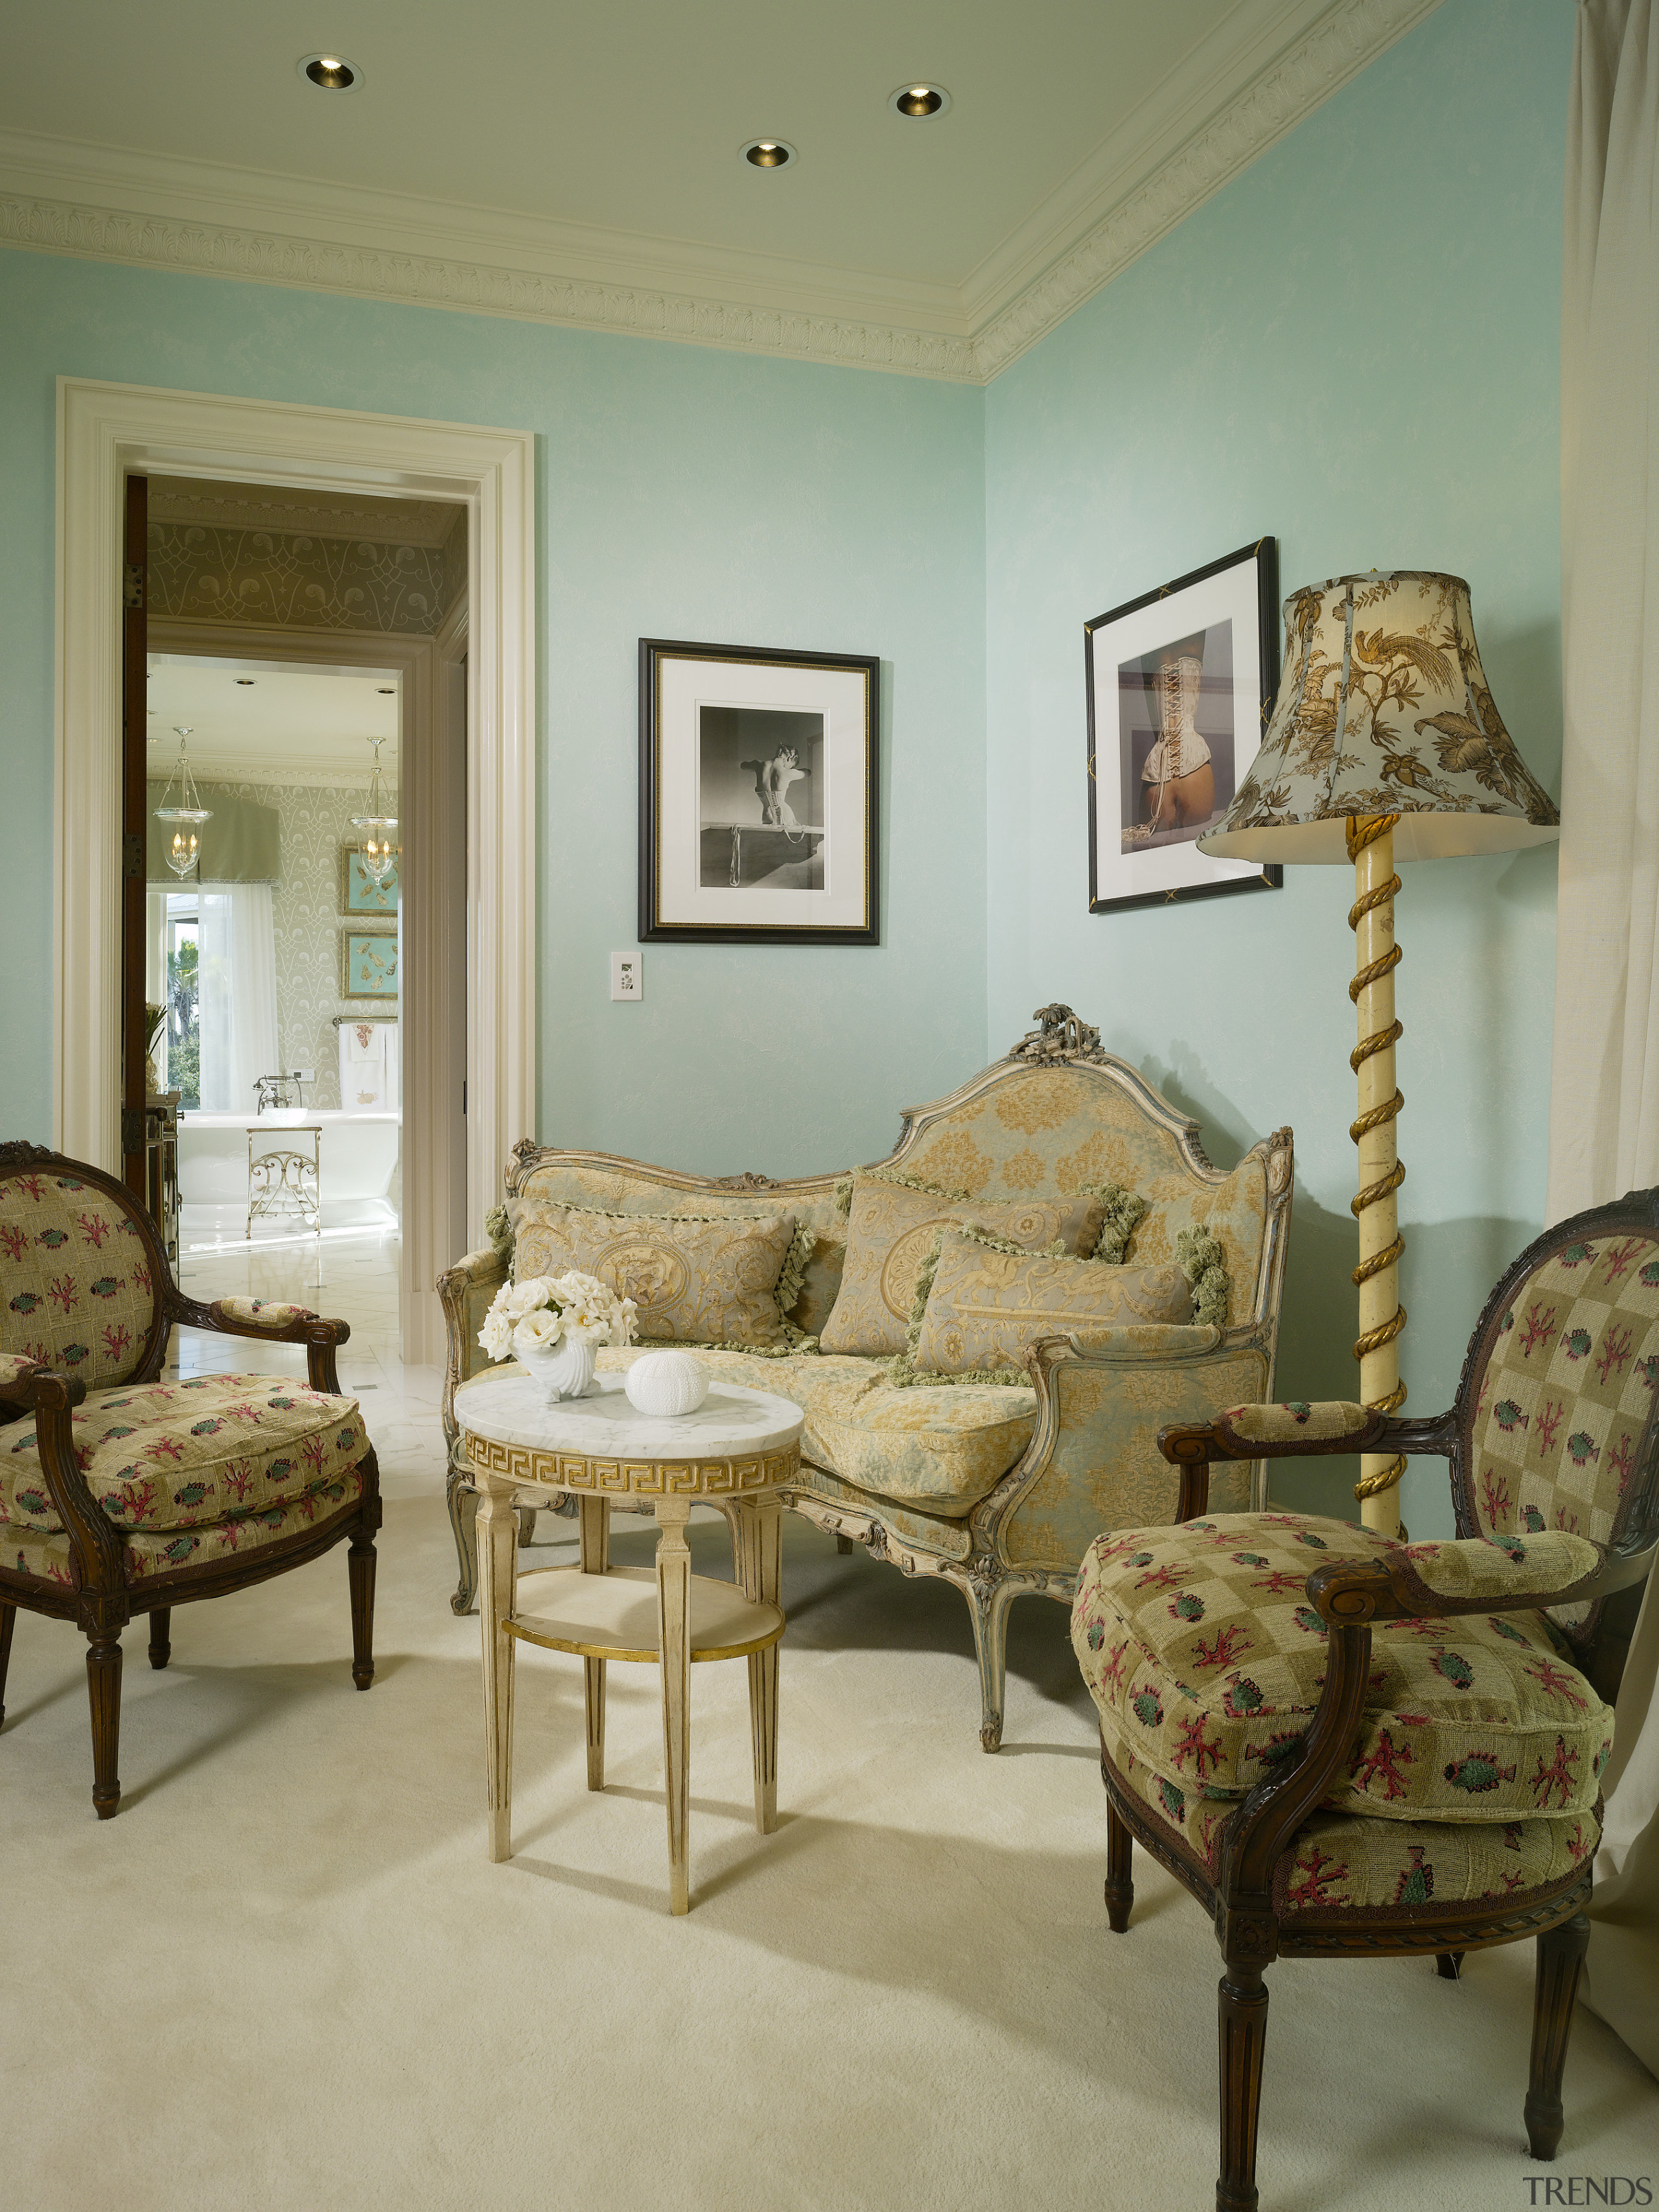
(245, 680)
(329, 72)
(918, 101)
(768, 154)
(388, 690)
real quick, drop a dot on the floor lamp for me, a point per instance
(1384, 745)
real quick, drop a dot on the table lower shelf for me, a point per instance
(614, 1615)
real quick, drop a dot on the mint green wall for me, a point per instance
(1354, 349)
(681, 493)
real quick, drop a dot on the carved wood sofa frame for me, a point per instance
(102, 1602)
(990, 1556)
(1349, 1597)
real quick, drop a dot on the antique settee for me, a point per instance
(998, 1488)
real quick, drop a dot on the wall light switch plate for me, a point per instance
(305, 1075)
(627, 976)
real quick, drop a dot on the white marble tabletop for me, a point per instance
(509, 1408)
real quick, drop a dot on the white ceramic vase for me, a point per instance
(565, 1371)
(663, 1384)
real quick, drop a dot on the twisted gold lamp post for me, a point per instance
(1384, 746)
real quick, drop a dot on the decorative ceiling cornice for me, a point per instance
(164, 213)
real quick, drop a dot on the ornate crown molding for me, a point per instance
(1186, 142)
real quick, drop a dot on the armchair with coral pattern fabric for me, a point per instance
(1347, 1745)
(121, 1493)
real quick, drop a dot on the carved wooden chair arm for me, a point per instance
(52, 1398)
(1348, 1591)
(287, 1325)
(1333, 1426)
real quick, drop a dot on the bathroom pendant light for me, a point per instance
(187, 817)
(380, 852)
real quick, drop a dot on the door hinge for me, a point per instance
(132, 1129)
(134, 594)
(132, 852)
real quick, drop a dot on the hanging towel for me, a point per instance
(368, 1067)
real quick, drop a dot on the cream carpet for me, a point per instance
(286, 1976)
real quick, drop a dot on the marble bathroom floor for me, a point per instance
(352, 1278)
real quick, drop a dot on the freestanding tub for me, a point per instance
(359, 1153)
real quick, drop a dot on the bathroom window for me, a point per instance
(183, 1073)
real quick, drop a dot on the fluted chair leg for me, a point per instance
(1449, 1964)
(1242, 2014)
(161, 1639)
(1561, 1961)
(360, 1572)
(1120, 1859)
(104, 1694)
(8, 1623)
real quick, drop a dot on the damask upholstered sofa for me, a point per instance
(998, 1487)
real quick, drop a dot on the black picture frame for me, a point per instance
(850, 692)
(1117, 879)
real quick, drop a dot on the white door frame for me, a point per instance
(106, 431)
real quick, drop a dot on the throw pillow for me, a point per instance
(891, 1229)
(695, 1279)
(987, 1303)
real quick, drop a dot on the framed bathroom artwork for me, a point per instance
(1181, 684)
(368, 964)
(359, 892)
(758, 784)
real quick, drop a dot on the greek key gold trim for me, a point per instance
(625, 1478)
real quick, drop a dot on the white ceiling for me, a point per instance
(581, 164)
(288, 726)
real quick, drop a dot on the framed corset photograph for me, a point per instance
(758, 795)
(1179, 683)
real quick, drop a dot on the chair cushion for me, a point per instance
(49, 1557)
(76, 1288)
(942, 1448)
(1206, 1660)
(890, 1234)
(1342, 1863)
(188, 1454)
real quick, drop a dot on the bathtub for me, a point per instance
(359, 1154)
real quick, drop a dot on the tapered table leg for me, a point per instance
(498, 1568)
(761, 1572)
(596, 1560)
(674, 1629)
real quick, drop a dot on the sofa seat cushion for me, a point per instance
(1342, 1863)
(1206, 1660)
(47, 1556)
(942, 1447)
(187, 1454)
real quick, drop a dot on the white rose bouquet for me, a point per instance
(548, 1310)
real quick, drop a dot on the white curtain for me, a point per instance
(236, 940)
(1604, 1099)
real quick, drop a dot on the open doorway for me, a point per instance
(277, 958)
(304, 659)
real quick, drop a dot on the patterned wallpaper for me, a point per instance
(289, 578)
(314, 823)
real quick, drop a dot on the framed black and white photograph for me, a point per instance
(1181, 684)
(758, 795)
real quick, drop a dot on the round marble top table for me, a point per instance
(737, 1450)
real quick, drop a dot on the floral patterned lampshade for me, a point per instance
(1383, 709)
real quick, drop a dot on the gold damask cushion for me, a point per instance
(48, 1556)
(1342, 1863)
(696, 1279)
(987, 1305)
(1206, 1660)
(891, 1230)
(172, 1455)
(940, 1450)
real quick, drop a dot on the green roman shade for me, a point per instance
(240, 843)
